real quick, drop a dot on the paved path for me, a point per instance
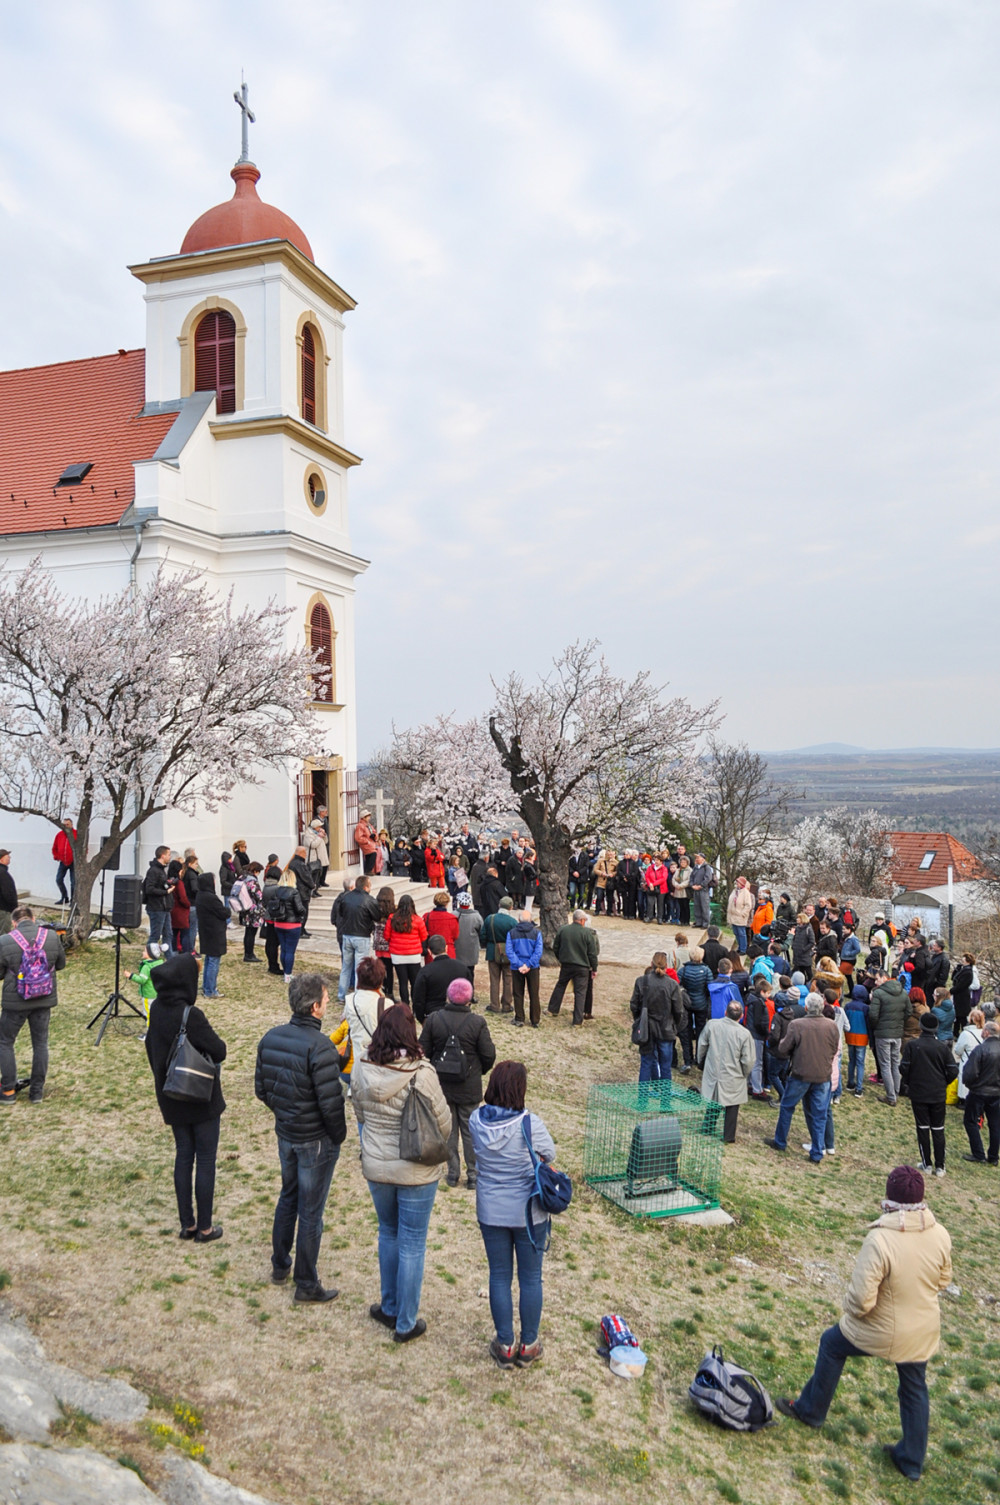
(629, 942)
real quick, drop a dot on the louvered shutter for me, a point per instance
(308, 375)
(321, 639)
(215, 358)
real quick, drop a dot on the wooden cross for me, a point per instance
(242, 98)
(380, 805)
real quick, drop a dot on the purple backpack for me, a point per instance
(35, 978)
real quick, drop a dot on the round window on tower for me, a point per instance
(317, 492)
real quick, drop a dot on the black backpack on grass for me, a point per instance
(730, 1395)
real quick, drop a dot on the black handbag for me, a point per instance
(191, 1076)
(420, 1138)
(640, 1029)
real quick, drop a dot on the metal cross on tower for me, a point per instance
(242, 98)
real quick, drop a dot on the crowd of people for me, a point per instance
(777, 1022)
(190, 910)
(375, 1059)
(782, 1015)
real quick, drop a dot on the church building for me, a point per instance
(219, 447)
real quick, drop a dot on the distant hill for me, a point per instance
(819, 750)
(916, 789)
(848, 750)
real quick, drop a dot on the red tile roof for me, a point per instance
(912, 846)
(55, 416)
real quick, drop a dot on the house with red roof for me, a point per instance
(922, 858)
(219, 447)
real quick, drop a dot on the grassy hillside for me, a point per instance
(317, 1404)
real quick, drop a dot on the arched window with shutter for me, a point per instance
(321, 643)
(308, 374)
(215, 358)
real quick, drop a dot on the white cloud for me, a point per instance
(676, 324)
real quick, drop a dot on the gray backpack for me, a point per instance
(730, 1395)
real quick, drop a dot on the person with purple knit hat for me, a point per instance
(458, 1044)
(891, 1311)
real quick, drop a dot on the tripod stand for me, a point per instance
(110, 1009)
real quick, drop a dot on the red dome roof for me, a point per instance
(243, 219)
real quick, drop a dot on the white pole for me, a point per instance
(951, 913)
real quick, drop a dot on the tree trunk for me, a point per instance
(85, 874)
(553, 865)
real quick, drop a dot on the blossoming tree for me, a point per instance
(582, 752)
(148, 700)
(842, 851)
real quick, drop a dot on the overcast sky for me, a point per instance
(678, 323)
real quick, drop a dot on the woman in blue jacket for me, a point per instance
(505, 1182)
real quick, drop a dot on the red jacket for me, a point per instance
(656, 878)
(180, 915)
(62, 850)
(440, 922)
(405, 943)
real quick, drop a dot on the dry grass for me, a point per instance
(314, 1404)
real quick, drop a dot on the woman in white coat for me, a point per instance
(971, 1036)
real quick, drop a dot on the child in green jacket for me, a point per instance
(147, 988)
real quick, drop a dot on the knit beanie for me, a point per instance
(798, 978)
(905, 1184)
(929, 1023)
(460, 991)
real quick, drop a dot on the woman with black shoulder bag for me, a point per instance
(194, 1123)
(657, 1006)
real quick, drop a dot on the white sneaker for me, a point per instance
(807, 1146)
(940, 1172)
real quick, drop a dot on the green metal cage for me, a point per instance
(652, 1148)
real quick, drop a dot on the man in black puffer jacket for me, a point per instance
(298, 1077)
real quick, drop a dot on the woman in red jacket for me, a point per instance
(180, 919)
(405, 935)
(434, 859)
(441, 922)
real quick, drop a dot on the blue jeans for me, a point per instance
(502, 1244)
(306, 1173)
(403, 1215)
(757, 1072)
(61, 871)
(193, 930)
(655, 1060)
(352, 949)
(210, 976)
(288, 940)
(914, 1406)
(815, 1100)
(160, 932)
(740, 937)
(856, 1056)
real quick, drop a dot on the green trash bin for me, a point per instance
(715, 914)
